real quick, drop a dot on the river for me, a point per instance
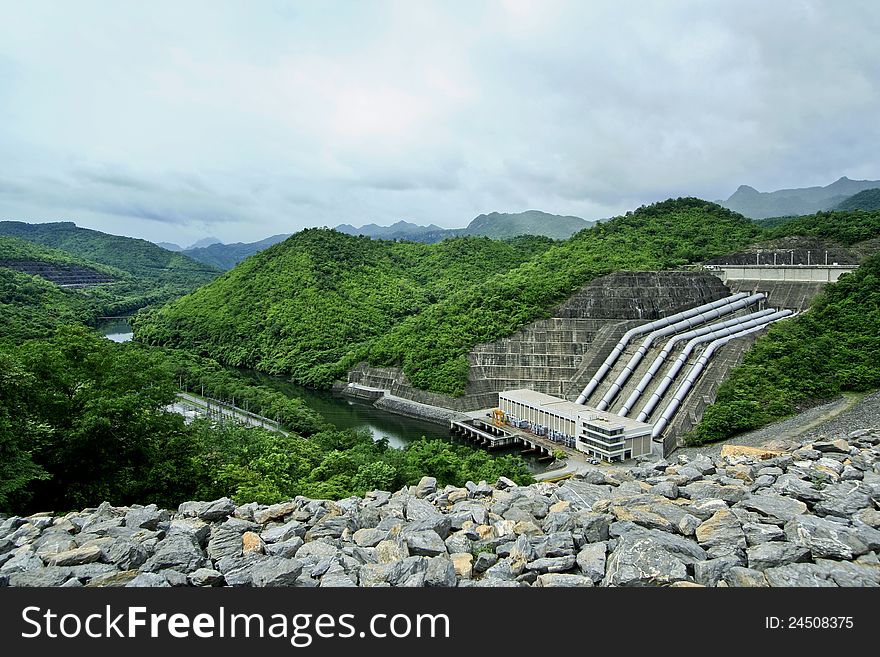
(340, 411)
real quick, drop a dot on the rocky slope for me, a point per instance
(750, 517)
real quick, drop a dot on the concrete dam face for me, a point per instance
(559, 355)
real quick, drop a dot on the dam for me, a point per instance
(649, 346)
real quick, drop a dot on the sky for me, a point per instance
(178, 120)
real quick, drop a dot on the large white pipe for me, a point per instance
(671, 344)
(672, 329)
(697, 369)
(647, 328)
(686, 352)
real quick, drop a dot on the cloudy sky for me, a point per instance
(175, 120)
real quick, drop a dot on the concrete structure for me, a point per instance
(798, 273)
(597, 433)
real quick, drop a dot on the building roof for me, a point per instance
(564, 407)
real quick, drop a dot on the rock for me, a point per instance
(458, 543)
(504, 483)
(112, 580)
(702, 490)
(870, 517)
(148, 580)
(409, 572)
(147, 517)
(424, 543)
(426, 486)
(709, 573)
(484, 561)
(237, 571)
(463, 563)
(177, 550)
(193, 526)
(124, 554)
(773, 554)
(591, 561)
(791, 485)
(369, 537)
(208, 511)
(636, 561)
(336, 577)
(274, 512)
(560, 507)
(440, 572)
(797, 574)
(824, 537)
(560, 580)
(760, 532)
(418, 509)
(392, 549)
(745, 577)
(224, 543)
(667, 489)
(331, 527)
(206, 577)
(774, 506)
(688, 524)
(723, 528)
(76, 557)
(251, 542)
(317, 549)
(642, 517)
(285, 532)
(844, 499)
(275, 571)
(285, 549)
(839, 446)
(552, 564)
(40, 577)
(846, 574)
(374, 574)
(705, 508)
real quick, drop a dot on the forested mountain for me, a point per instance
(226, 256)
(790, 202)
(866, 200)
(54, 274)
(320, 302)
(495, 225)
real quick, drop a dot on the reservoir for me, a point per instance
(118, 330)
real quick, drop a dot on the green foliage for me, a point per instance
(83, 420)
(834, 347)
(320, 302)
(847, 228)
(868, 199)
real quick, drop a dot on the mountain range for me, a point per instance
(751, 203)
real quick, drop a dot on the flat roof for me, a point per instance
(542, 401)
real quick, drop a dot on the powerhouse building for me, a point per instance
(597, 433)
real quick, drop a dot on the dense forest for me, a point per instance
(140, 274)
(866, 200)
(83, 420)
(320, 302)
(835, 347)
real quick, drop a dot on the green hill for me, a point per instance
(225, 256)
(866, 200)
(531, 222)
(318, 303)
(53, 274)
(791, 202)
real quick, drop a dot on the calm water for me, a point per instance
(338, 410)
(118, 330)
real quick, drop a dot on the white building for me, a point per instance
(597, 433)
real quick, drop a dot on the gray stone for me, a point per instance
(274, 512)
(369, 537)
(238, 571)
(440, 572)
(745, 577)
(148, 580)
(775, 507)
(147, 517)
(457, 543)
(791, 485)
(591, 561)
(76, 557)
(208, 511)
(374, 574)
(206, 577)
(408, 572)
(702, 490)
(505, 569)
(773, 554)
(844, 499)
(636, 561)
(709, 573)
(723, 528)
(124, 554)
(557, 544)
(484, 561)
(285, 549)
(285, 532)
(224, 543)
(688, 524)
(424, 543)
(426, 486)
(552, 564)
(177, 550)
(112, 579)
(760, 532)
(197, 528)
(560, 580)
(275, 571)
(846, 574)
(331, 527)
(667, 489)
(49, 576)
(392, 549)
(317, 549)
(705, 508)
(797, 574)
(825, 537)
